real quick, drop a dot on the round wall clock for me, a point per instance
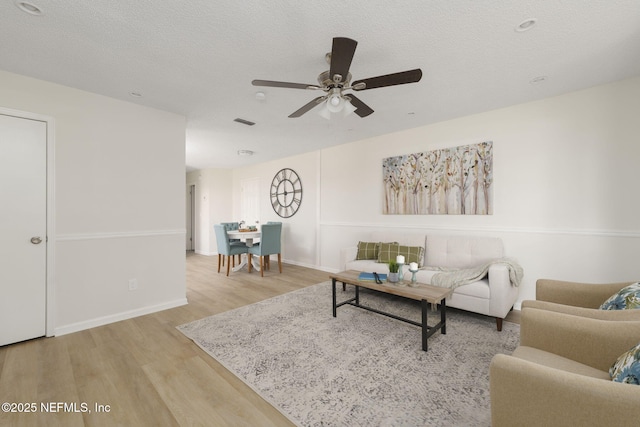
(286, 192)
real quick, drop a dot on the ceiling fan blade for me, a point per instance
(362, 109)
(403, 77)
(342, 53)
(272, 83)
(315, 102)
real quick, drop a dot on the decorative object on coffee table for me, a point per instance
(393, 271)
(413, 268)
(400, 261)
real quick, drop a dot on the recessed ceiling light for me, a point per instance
(135, 94)
(537, 80)
(526, 25)
(245, 153)
(29, 8)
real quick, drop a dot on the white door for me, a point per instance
(250, 201)
(23, 228)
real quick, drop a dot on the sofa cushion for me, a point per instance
(389, 251)
(367, 265)
(461, 251)
(626, 298)
(551, 360)
(368, 250)
(627, 368)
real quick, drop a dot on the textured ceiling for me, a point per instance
(198, 59)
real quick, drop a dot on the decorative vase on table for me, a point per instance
(393, 271)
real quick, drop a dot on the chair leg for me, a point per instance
(228, 264)
(249, 265)
(280, 263)
(267, 262)
(499, 323)
(219, 262)
(239, 258)
(261, 266)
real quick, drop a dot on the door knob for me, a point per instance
(36, 240)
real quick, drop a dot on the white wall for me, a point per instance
(213, 205)
(300, 232)
(565, 192)
(119, 202)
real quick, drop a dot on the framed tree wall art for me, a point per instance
(449, 181)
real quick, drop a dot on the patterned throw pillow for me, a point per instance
(389, 251)
(626, 298)
(368, 250)
(627, 367)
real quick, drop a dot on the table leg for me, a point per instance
(333, 290)
(255, 265)
(443, 316)
(239, 266)
(425, 328)
(244, 263)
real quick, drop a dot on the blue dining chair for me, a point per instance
(231, 226)
(225, 248)
(270, 235)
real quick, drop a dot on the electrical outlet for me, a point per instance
(133, 284)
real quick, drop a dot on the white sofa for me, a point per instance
(493, 296)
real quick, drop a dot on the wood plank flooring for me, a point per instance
(142, 370)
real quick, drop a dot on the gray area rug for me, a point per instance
(360, 368)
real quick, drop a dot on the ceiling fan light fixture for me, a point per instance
(324, 112)
(338, 78)
(335, 103)
(348, 109)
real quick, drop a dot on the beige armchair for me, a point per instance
(579, 299)
(558, 376)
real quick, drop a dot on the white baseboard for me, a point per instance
(199, 252)
(307, 265)
(105, 320)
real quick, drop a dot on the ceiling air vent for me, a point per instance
(244, 122)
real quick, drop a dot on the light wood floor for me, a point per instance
(147, 372)
(143, 368)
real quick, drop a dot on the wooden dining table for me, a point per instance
(247, 237)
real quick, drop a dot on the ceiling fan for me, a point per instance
(337, 79)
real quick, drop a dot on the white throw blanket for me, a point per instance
(453, 279)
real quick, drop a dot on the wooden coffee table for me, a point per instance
(421, 292)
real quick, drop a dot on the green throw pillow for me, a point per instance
(368, 250)
(389, 251)
(627, 298)
(627, 367)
